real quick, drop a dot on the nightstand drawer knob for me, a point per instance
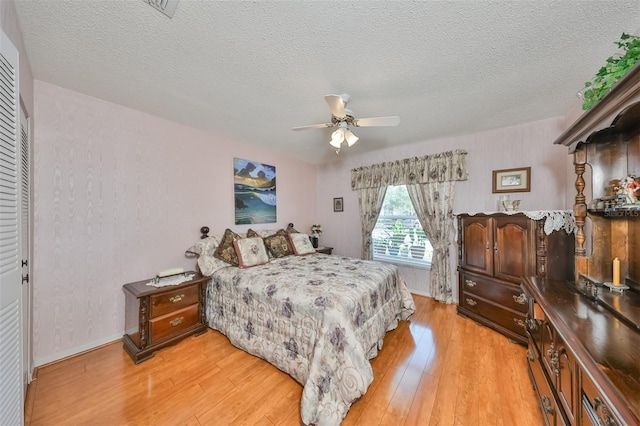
(176, 321)
(470, 283)
(471, 302)
(176, 299)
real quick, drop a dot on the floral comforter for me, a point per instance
(319, 318)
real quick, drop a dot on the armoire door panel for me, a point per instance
(511, 250)
(478, 245)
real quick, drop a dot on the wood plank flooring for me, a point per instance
(437, 369)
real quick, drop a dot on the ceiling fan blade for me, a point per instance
(377, 121)
(336, 105)
(313, 126)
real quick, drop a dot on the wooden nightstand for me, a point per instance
(325, 250)
(161, 316)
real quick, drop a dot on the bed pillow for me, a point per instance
(278, 244)
(290, 229)
(209, 264)
(301, 244)
(251, 233)
(226, 251)
(205, 247)
(251, 252)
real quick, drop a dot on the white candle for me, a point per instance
(616, 271)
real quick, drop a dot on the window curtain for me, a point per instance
(370, 201)
(430, 181)
(433, 203)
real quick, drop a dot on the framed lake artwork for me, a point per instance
(254, 190)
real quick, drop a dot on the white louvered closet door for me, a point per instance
(25, 242)
(11, 383)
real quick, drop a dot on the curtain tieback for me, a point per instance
(440, 246)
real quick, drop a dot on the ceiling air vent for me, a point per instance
(168, 7)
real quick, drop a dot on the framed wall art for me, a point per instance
(512, 180)
(254, 190)
(338, 205)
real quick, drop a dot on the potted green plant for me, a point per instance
(613, 70)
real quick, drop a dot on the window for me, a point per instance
(398, 236)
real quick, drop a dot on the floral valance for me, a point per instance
(443, 167)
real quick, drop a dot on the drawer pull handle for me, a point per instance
(521, 299)
(471, 302)
(546, 405)
(608, 417)
(532, 324)
(176, 321)
(470, 283)
(176, 299)
(519, 322)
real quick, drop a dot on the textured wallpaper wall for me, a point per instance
(528, 144)
(119, 195)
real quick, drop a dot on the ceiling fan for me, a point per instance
(343, 118)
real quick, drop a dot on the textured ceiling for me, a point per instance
(249, 71)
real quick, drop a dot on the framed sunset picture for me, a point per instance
(254, 190)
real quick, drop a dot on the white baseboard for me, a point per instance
(418, 292)
(38, 362)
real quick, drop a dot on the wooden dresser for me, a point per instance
(584, 339)
(583, 361)
(494, 252)
(160, 316)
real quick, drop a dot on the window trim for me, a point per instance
(402, 261)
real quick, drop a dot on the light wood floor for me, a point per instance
(437, 369)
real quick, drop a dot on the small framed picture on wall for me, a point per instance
(338, 205)
(512, 180)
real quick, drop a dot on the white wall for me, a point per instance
(119, 195)
(529, 144)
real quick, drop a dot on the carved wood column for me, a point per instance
(580, 209)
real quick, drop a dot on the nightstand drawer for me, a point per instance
(164, 303)
(174, 323)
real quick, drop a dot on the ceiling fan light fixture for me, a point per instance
(337, 138)
(350, 137)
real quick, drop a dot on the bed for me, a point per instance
(317, 317)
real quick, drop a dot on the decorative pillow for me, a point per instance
(278, 244)
(251, 233)
(209, 264)
(301, 244)
(226, 250)
(251, 252)
(205, 247)
(290, 229)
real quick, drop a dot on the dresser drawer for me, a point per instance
(595, 408)
(171, 301)
(503, 294)
(174, 323)
(506, 318)
(546, 400)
